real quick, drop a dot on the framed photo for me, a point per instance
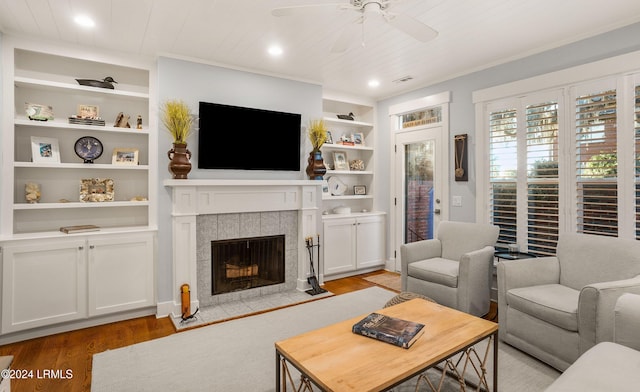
(340, 161)
(45, 150)
(358, 139)
(359, 190)
(329, 138)
(125, 156)
(88, 111)
(325, 187)
(96, 190)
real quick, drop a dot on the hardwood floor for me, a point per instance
(70, 354)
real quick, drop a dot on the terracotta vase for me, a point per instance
(315, 167)
(179, 157)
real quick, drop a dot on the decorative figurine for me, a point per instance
(32, 192)
(104, 83)
(122, 121)
(139, 122)
(346, 116)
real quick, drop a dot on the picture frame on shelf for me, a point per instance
(359, 189)
(88, 111)
(125, 156)
(45, 150)
(358, 139)
(96, 190)
(340, 161)
(325, 187)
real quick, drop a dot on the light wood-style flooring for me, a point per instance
(74, 350)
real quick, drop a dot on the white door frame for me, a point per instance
(442, 166)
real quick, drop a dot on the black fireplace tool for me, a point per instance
(313, 280)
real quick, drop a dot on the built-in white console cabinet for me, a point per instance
(49, 278)
(353, 243)
(354, 233)
(65, 279)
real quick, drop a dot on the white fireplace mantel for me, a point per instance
(191, 198)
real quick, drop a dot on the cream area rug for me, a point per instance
(390, 280)
(239, 355)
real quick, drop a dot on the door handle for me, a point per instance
(436, 211)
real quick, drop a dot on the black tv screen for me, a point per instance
(233, 137)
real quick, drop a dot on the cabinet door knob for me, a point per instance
(80, 247)
(91, 246)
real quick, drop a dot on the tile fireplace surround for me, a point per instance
(195, 200)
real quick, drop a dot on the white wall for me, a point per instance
(194, 82)
(462, 111)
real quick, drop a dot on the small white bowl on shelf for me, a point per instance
(342, 210)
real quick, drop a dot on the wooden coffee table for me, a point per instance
(335, 359)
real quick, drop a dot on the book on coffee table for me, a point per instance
(402, 333)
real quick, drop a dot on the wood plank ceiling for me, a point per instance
(473, 35)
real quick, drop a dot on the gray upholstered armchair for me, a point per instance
(455, 268)
(556, 308)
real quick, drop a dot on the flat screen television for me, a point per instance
(234, 137)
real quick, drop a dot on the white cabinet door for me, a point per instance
(370, 243)
(339, 249)
(121, 273)
(43, 283)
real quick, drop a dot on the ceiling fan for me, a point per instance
(367, 9)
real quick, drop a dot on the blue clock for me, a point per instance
(88, 148)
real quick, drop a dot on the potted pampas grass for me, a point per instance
(317, 136)
(176, 117)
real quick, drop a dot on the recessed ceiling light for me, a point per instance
(84, 21)
(275, 50)
(374, 83)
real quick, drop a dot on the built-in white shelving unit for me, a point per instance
(52, 281)
(354, 242)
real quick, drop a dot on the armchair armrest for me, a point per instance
(416, 251)
(474, 279)
(528, 272)
(595, 309)
(626, 321)
(420, 250)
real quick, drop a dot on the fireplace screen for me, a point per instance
(245, 263)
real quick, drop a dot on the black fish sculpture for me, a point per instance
(105, 83)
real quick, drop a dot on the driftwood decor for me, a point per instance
(461, 171)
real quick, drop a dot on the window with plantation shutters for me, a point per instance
(542, 177)
(596, 163)
(637, 159)
(562, 159)
(503, 173)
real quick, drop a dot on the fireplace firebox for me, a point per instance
(246, 263)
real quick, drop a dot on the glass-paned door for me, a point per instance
(417, 156)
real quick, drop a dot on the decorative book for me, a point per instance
(79, 229)
(402, 333)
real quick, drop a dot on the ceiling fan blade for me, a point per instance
(346, 37)
(297, 9)
(411, 26)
